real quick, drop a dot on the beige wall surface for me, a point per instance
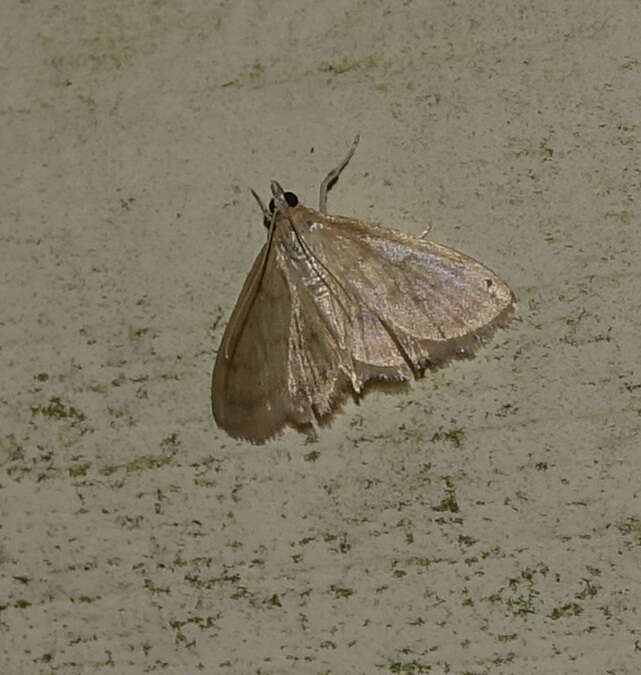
(488, 520)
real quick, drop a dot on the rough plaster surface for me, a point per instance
(487, 521)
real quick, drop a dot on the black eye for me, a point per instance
(290, 198)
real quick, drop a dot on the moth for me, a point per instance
(332, 304)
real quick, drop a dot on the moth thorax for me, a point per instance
(295, 251)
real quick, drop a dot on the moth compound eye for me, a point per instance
(290, 198)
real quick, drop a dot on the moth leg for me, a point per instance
(425, 232)
(333, 175)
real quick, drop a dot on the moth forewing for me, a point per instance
(333, 303)
(278, 363)
(430, 299)
(250, 371)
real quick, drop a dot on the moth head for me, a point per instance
(280, 203)
(281, 198)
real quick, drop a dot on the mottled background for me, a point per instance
(489, 520)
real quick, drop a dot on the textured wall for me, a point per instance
(486, 521)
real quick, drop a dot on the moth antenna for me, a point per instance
(333, 175)
(263, 208)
